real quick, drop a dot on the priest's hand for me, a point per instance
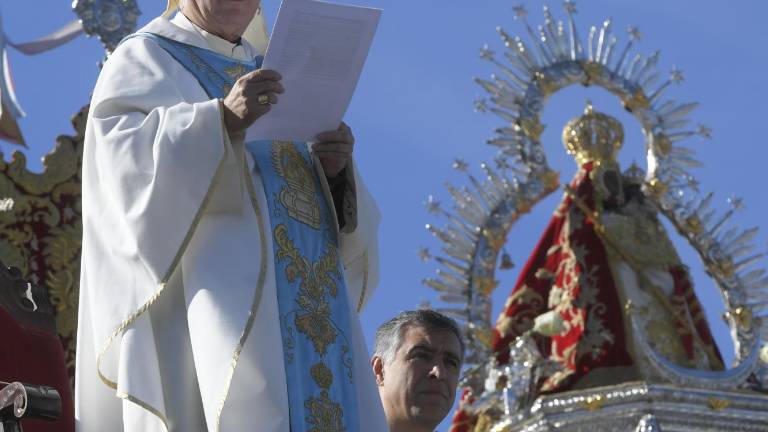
(334, 149)
(251, 97)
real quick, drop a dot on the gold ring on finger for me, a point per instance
(262, 99)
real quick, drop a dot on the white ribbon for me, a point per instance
(61, 36)
(10, 109)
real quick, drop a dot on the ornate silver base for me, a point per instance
(644, 407)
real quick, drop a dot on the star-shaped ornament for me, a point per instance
(501, 163)
(676, 75)
(424, 254)
(634, 33)
(486, 53)
(481, 105)
(460, 165)
(704, 131)
(520, 11)
(736, 202)
(433, 205)
(693, 183)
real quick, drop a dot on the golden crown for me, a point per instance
(593, 136)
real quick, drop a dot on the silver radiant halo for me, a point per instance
(532, 69)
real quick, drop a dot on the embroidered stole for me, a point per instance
(315, 317)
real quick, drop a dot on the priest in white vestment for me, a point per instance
(179, 325)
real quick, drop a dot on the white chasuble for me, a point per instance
(179, 326)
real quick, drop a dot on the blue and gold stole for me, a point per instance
(315, 318)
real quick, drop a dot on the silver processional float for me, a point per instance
(507, 395)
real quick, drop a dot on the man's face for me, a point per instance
(227, 15)
(418, 386)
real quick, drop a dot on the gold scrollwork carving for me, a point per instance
(742, 316)
(594, 403)
(658, 187)
(41, 232)
(636, 101)
(531, 127)
(546, 85)
(486, 285)
(716, 404)
(592, 70)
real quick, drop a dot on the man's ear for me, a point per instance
(377, 364)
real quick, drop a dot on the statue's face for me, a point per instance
(223, 17)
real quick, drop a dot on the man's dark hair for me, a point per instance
(389, 336)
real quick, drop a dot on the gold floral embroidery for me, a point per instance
(322, 375)
(639, 237)
(317, 283)
(236, 71)
(323, 414)
(204, 67)
(317, 327)
(299, 196)
(232, 72)
(314, 319)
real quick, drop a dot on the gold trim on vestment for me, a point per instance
(126, 396)
(257, 294)
(161, 287)
(365, 282)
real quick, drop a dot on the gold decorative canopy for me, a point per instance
(41, 226)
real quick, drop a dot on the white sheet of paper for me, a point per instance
(319, 49)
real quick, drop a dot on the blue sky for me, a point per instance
(413, 112)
